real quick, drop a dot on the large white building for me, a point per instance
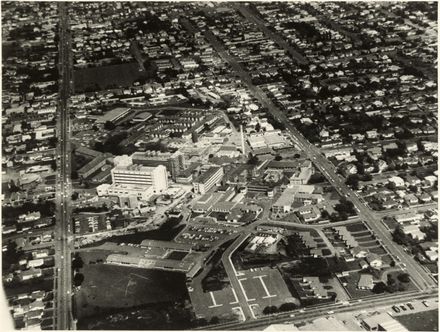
(141, 176)
(135, 180)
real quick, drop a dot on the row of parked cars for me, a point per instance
(403, 307)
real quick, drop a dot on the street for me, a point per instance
(63, 231)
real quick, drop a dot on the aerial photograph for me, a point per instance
(206, 165)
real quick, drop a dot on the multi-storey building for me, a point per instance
(174, 162)
(208, 179)
(141, 176)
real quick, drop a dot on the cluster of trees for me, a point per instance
(392, 285)
(289, 306)
(401, 238)
(345, 206)
(353, 179)
(431, 232)
(96, 209)
(46, 208)
(112, 144)
(11, 255)
(253, 160)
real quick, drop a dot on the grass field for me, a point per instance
(357, 227)
(105, 76)
(129, 287)
(421, 321)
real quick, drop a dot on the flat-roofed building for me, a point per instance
(383, 322)
(284, 203)
(174, 162)
(141, 176)
(207, 180)
(114, 115)
(94, 165)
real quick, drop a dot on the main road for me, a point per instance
(421, 277)
(63, 243)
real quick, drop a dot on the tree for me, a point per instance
(75, 196)
(253, 160)
(403, 277)
(379, 288)
(270, 310)
(77, 263)
(53, 165)
(346, 206)
(353, 181)
(325, 215)
(288, 306)
(214, 320)
(257, 127)
(390, 280)
(399, 237)
(278, 157)
(78, 278)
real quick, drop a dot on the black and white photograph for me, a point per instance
(219, 165)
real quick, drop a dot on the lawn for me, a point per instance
(421, 321)
(129, 287)
(390, 223)
(356, 227)
(100, 78)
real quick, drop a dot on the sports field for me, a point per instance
(129, 287)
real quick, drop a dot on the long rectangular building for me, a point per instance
(208, 180)
(141, 176)
(174, 162)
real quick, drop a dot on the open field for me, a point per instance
(126, 284)
(421, 321)
(105, 76)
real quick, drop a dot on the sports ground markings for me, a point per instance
(244, 292)
(235, 296)
(268, 295)
(214, 303)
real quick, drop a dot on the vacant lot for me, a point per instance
(129, 287)
(421, 321)
(99, 78)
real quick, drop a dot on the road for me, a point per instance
(233, 278)
(246, 12)
(421, 278)
(63, 231)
